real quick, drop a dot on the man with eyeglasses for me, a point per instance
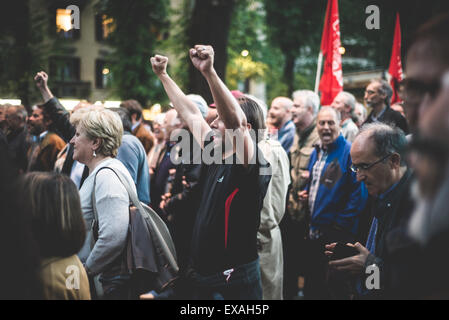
(378, 159)
(377, 97)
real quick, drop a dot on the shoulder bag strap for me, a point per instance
(135, 201)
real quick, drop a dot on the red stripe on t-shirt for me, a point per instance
(227, 211)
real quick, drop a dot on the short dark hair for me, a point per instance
(53, 201)
(125, 117)
(133, 106)
(387, 139)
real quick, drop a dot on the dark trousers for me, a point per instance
(117, 288)
(294, 249)
(320, 282)
(244, 283)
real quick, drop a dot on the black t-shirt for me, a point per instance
(228, 217)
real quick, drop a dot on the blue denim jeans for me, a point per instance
(239, 283)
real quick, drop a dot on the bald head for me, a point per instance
(15, 117)
(280, 111)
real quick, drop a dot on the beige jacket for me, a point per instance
(64, 279)
(269, 235)
(300, 155)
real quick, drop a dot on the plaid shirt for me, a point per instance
(316, 175)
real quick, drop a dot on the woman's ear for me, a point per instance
(248, 125)
(96, 143)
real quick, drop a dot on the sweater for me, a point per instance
(112, 202)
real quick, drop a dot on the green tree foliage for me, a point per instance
(246, 34)
(293, 25)
(375, 45)
(209, 23)
(24, 49)
(138, 27)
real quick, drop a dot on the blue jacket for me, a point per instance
(132, 154)
(340, 198)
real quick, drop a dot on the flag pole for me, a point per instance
(318, 72)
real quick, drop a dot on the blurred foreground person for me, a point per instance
(20, 278)
(426, 105)
(58, 227)
(427, 61)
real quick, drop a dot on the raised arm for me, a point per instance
(183, 105)
(41, 79)
(55, 110)
(228, 108)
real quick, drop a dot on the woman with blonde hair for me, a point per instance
(53, 203)
(96, 141)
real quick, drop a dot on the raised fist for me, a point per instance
(202, 58)
(159, 64)
(41, 79)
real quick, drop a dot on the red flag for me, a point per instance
(331, 82)
(395, 69)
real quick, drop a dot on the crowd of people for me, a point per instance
(298, 201)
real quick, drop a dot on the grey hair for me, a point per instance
(335, 111)
(387, 139)
(20, 111)
(362, 107)
(349, 100)
(311, 99)
(384, 88)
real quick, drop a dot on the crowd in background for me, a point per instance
(353, 205)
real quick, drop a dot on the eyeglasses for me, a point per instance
(363, 166)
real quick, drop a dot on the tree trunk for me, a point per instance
(210, 23)
(289, 67)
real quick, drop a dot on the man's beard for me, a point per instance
(430, 216)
